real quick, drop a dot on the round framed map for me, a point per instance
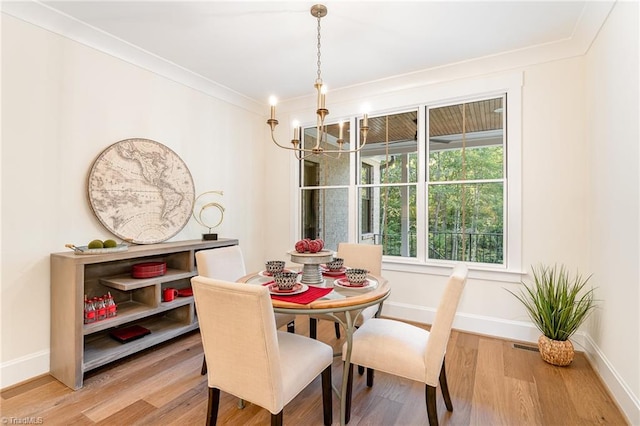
(141, 191)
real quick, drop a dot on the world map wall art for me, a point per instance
(141, 191)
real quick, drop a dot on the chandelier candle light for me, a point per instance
(318, 11)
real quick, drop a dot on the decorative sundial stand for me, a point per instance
(311, 264)
(204, 217)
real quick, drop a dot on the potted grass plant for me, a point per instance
(557, 303)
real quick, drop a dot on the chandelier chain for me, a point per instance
(319, 45)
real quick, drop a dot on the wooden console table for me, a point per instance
(77, 347)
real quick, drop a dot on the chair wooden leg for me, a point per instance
(291, 327)
(337, 327)
(276, 419)
(430, 396)
(327, 404)
(203, 370)
(347, 414)
(212, 407)
(370, 377)
(445, 388)
(313, 328)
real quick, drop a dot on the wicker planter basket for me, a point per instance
(556, 352)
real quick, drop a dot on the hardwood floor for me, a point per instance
(490, 381)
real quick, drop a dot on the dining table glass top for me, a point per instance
(342, 297)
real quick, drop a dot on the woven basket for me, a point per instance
(556, 352)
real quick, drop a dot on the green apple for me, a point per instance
(110, 244)
(95, 244)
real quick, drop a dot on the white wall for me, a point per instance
(62, 104)
(613, 141)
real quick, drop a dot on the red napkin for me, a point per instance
(308, 296)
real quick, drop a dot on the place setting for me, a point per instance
(355, 278)
(334, 269)
(286, 285)
(272, 267)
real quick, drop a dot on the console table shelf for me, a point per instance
(77, 347)
(101, 349)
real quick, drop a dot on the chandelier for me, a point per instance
(318, 11)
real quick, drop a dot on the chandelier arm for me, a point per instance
(321, 151)
(346, 151)
(318, 151)
(333, 157)
(283, 146)
(307, 153)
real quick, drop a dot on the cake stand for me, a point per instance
(311, 264)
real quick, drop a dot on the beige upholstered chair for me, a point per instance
(248, 357)
(227, 264)
(408, 351)
(366, 256)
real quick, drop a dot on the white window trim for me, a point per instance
(452, 91)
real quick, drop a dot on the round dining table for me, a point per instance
(345, 300)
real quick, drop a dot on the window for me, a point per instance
(465, 182)
(431, 185)
(324, 186)
(391, 152)
(366, 205)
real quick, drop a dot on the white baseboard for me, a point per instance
(517, 330)
(620, 391)
(526, 332)
(24, 368)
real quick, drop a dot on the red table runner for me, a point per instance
(308, 296)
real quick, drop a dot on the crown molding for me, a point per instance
(50, 19)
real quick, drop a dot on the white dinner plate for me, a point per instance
(330, 273)
(344, 283)
(269, 274)
(297, 289)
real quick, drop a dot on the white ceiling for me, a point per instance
(259, 48)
